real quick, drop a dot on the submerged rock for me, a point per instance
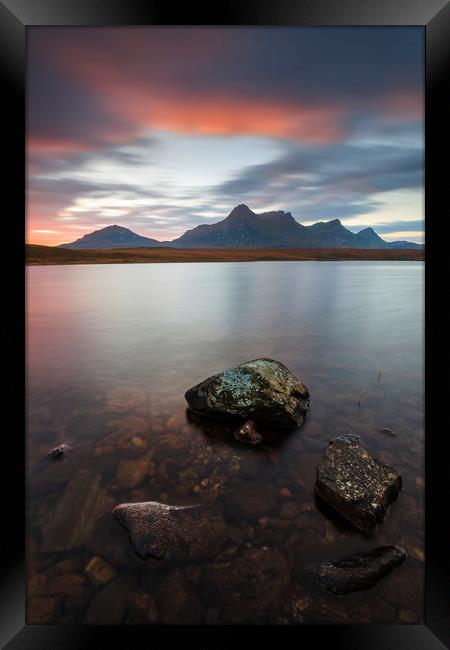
(58, 453)
(178, 601)
(99, 571)
(76, 513)
(161, 534)
(359, 571)
(248, 433)
(357, 485)
(262, 389)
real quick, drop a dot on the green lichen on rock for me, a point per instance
(262, 389)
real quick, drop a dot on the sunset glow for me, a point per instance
(161, 129)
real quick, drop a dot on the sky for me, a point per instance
(161, 129)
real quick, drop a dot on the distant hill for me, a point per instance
(243, 228)
(111, 237)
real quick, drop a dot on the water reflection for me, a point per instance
(111, 350)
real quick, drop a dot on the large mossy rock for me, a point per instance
(263, 390)
(357, 485)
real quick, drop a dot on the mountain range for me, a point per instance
(243, 228)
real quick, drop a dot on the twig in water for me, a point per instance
(361, 396)
(379, 376)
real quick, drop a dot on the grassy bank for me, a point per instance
(42, 255)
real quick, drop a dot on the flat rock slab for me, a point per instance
(359, 571)
(162, 534)
(263, 390)
(357, 485)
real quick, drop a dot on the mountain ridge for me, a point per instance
(243, 228)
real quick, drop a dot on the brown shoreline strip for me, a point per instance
(44, 255)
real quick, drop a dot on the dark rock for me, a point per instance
(250, 585)
(161, 534)
(357, 485)
(178, 601)
(262, 389)
(248, 433)
(359, 571)
(388, 432)
(109, 605)
(58, 453)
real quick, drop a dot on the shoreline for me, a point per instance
(37, 255)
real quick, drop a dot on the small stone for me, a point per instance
(357, 485)
(137, 441)
(285, 492)
(58, 453)
(388, 432)
(65, 585)
(40, 610)
(417, 553)
(204, 482)
(36, 585)
(250, 584)
(143, 608)
(251, 499)
(407, 616)
(131, 472)
(359, 571)
(109, 605)
(289, 510)
(161, 534)
(99, 571)
(211, 616)
(179, 603)
(248, 433)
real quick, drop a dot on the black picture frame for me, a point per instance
(15, 17)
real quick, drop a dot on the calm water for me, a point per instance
(111, 351)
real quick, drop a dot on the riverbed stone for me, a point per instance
(264, 390)
(178, 602)
(76, 513)
(109, 605)
(163, 534)
(248, 433)
(40, 610)
(99, 571)
(359, 571)
(251, 585)
(355, 484)
(58, 453)
(251, 499)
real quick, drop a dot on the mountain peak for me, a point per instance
(112, 237)
(241, 210)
